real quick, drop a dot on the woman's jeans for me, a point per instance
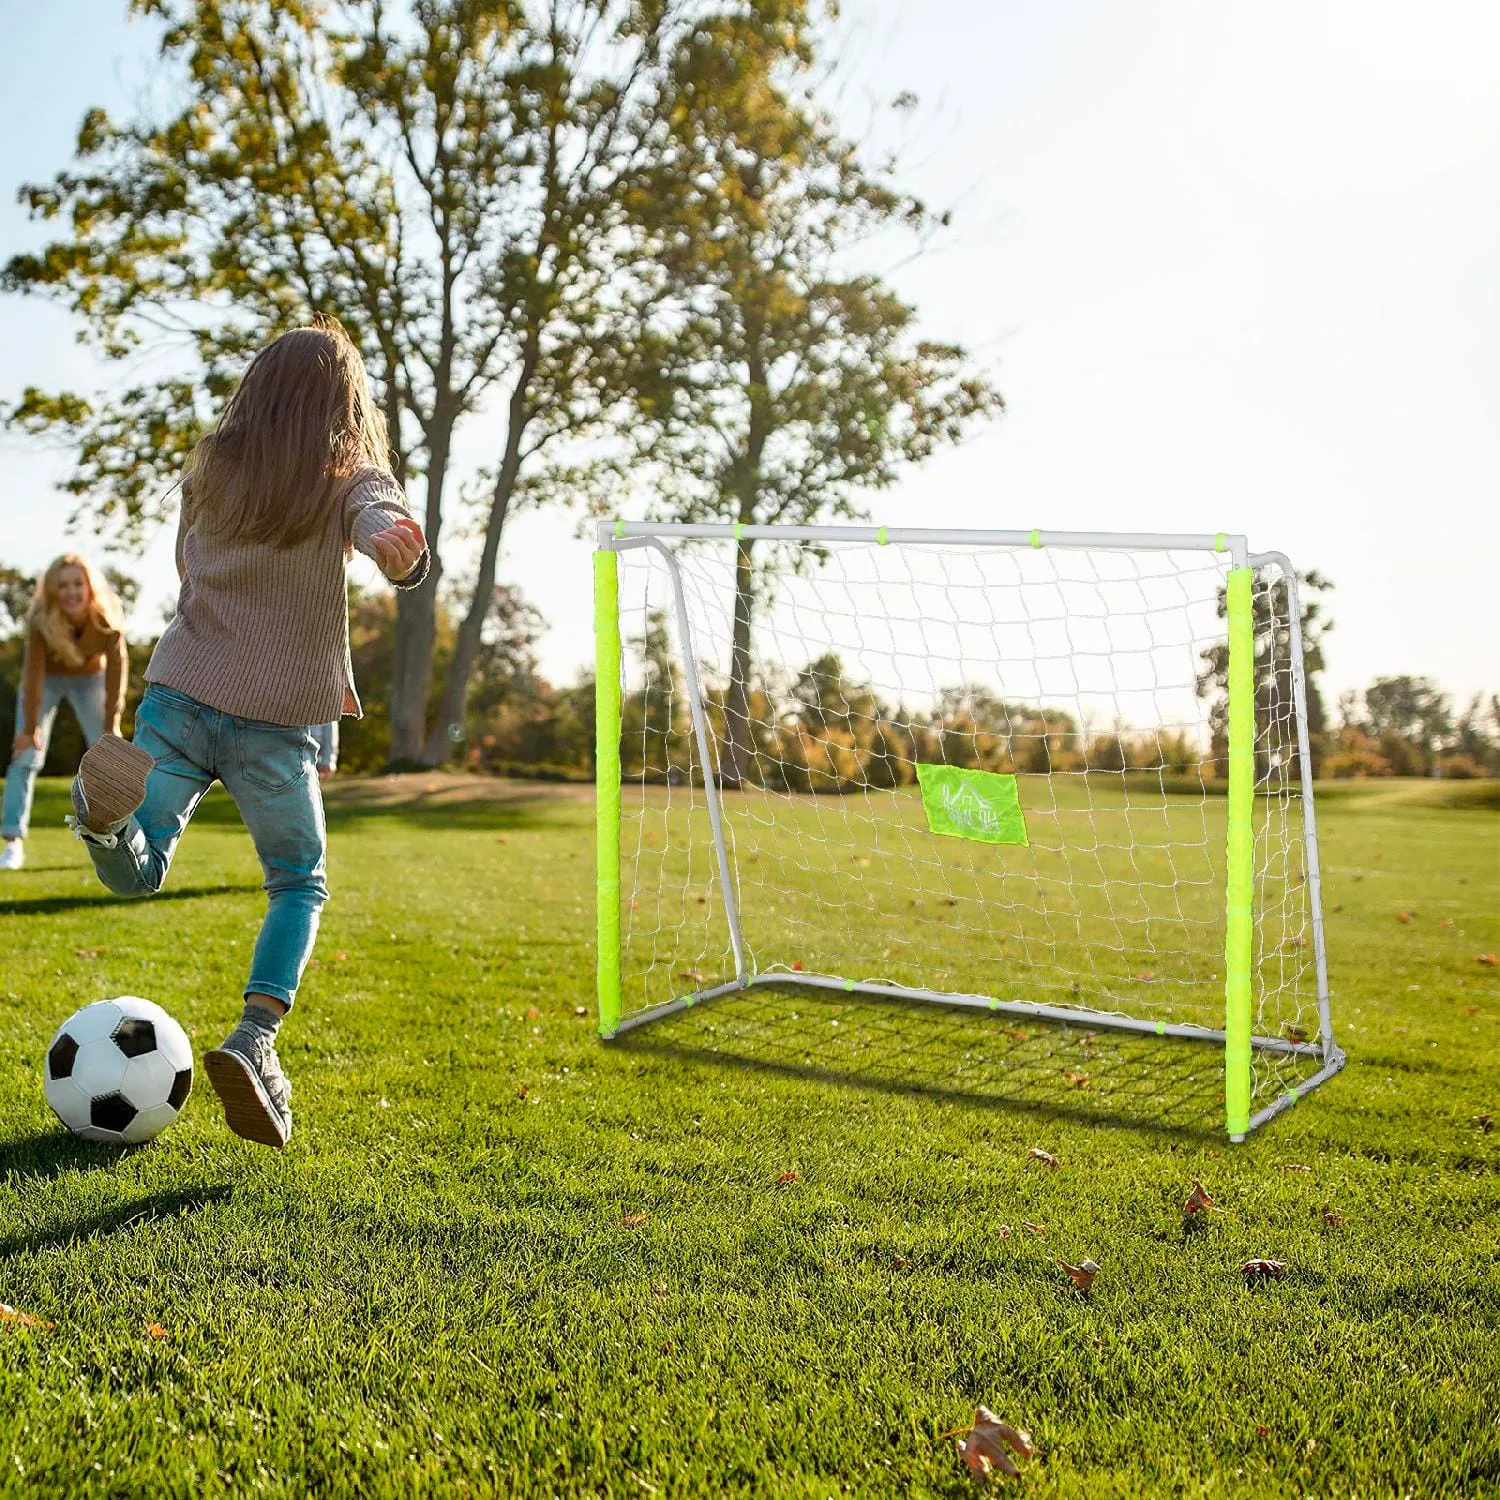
(86, 694)
(269, 770)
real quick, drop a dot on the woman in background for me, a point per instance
(75, 653)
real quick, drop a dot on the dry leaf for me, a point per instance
(1294, 1166)
(1035, 1229)
(1046, 1158)
(1487, 958)
(1262, 1431)
(90, 952)
(156, 1330)
(900, 1262)
(696, 976)
(783, 1178)
(1331, 1219)
(982, 1446)
(1015, 1035)
(634, 1221)
(9, 1314)
(1004, 1232)
(1081, 1275)
(1145, 976)
(1263, 1270)
(532, 1013)
(1197, 1200)
(339, 956)
(1404, 916)
(1077, 1079)
(1445, 921)
(522, 1091)
(1294, 1033)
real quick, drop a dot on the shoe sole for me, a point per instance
(247, 1111)
(113, 775)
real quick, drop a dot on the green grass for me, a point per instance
(442, 1287)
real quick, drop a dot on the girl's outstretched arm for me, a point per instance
(377, 522)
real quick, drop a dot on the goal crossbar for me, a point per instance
(1237, 1035)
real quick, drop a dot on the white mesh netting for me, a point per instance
(1096, 677)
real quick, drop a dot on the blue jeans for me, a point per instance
(269, 771)
(86, 694)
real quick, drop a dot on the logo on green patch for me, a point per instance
(981, 805)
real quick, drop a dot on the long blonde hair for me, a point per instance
(299, 423)
(45, 615)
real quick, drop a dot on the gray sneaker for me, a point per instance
(246, 1075)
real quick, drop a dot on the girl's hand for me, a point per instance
(399, 548)
(26, 740)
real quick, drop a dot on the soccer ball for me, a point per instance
(119, 1071)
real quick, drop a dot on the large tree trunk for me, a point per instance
(416, 623)
(442, 740)
(739, 744)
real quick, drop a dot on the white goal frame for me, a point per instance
(1323, 1057)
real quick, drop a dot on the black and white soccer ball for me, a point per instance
(119, 1071)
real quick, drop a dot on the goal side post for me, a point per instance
(1240, 854)
(607, 783)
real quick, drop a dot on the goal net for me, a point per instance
(1057, 776)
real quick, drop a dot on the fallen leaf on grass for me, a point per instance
(1003, 1232)
(1331, 1219)
(1046, 1158)
(1197, 1200)
(1145, 976)
(1035, 1229)
(339, 956)
(1486, 958)
(1404, 916)
(1262, 1430)
(522, 1091)
(1484, 1122)
(633, 1221)
(1016, 1035)
(9, 1314)
(1294, 1166)
(783, 1178)
(156, 1330)
(1263, 1270)
(1445, 921)
(695, 976)
(900, 1262)
(90, 952)
(532, 1013)
(1081, 1275)
(982, 1445)
(1077, 1079)
(1294, 1033)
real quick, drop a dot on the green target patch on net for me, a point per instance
(981, 805)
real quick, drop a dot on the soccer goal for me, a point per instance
(1059, 776)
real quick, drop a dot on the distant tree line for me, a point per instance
(819, 728)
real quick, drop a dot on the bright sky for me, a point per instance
(1234, 267)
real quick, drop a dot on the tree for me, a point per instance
(1271, 625)
(456, 185)
(776, 385)
(1410, 711)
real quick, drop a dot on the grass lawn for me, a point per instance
(501, 1257)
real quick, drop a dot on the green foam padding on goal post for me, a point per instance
(607, 783)
(1239, 933)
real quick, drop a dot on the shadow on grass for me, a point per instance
(45, 905)
(157, 1206)
(1034, 1068)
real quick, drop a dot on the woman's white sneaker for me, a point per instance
(13, 856)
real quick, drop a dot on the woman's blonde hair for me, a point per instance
(299, 423)
(45, 615)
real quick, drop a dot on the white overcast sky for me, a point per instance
(1234, 267)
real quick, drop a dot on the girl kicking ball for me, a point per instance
(75, 653)
(274, 502)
